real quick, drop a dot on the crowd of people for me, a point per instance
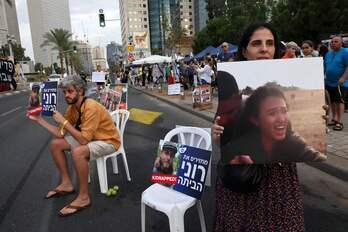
(272, 203)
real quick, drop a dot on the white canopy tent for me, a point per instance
(153, 60)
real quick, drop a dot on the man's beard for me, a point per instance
(73, 101)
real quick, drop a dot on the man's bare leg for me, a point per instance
(80, 157)
(57, 148)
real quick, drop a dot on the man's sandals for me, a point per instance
(75, 208)
(338, 126)
(59, 193)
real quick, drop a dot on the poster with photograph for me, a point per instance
(115, 97)
(49, 93)
(201, 97)
(181, 166)
(272, 111)
(34, 106)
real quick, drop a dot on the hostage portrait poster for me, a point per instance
(181, 166)
(271, 111)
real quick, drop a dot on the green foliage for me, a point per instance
(299, 20)
(228, 19)
(59, 39)
(76, 62)
(18, 52)
(38, 67)
(295, 20)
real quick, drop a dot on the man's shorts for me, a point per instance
(96, 148)
(337, 94)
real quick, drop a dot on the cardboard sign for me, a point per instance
(49, 97)
(98, 76)
(273, 109)
(174, 89)
(182, 166)
(201, 97)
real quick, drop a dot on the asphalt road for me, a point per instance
(27, 172)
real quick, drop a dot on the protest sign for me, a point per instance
(7, 70)
(281, 119)
(98, 76)
(115, 97)
(49, 97)
(184, 167)
(201, 97)
(174, 89)
(34, 107)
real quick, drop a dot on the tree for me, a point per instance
(59, 39)
(215, 8)
(76, 62)
(57, 69)
(18, 52)
(38, 67)
(311, 19)
(176, 34)
(229, 22)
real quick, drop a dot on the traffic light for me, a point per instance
(101, 20)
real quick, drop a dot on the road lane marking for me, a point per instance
(143, 116)
(11, 111)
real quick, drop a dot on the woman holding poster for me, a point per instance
(205, 72)
(275, 202)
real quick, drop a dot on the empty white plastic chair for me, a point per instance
(120, 118)
(174, 204)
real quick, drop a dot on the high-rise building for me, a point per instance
(187, 16)
(113, 53)
(8, 22)
(3, 23)
(135, 28)
(98, 58)
(43, 16)
(201, 14)
(85, 52)
(12, 21)
(165, 15)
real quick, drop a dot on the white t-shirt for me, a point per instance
(205, 73)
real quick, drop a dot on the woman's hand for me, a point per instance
(217, 130)
(241, 159)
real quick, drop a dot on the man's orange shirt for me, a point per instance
(96, 122)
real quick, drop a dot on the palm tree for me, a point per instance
(59, 39)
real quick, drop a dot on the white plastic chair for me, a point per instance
(120, 118)
(174, 204)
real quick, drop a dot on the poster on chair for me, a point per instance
(183, 167)
(115, 97)
(272, 111)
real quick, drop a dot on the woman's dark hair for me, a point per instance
(252, 106)
(249, 31)
(309, 42)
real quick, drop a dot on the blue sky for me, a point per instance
(84, 20)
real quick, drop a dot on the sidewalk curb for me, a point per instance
(331, 170)
(200, 115)
(323, 166)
